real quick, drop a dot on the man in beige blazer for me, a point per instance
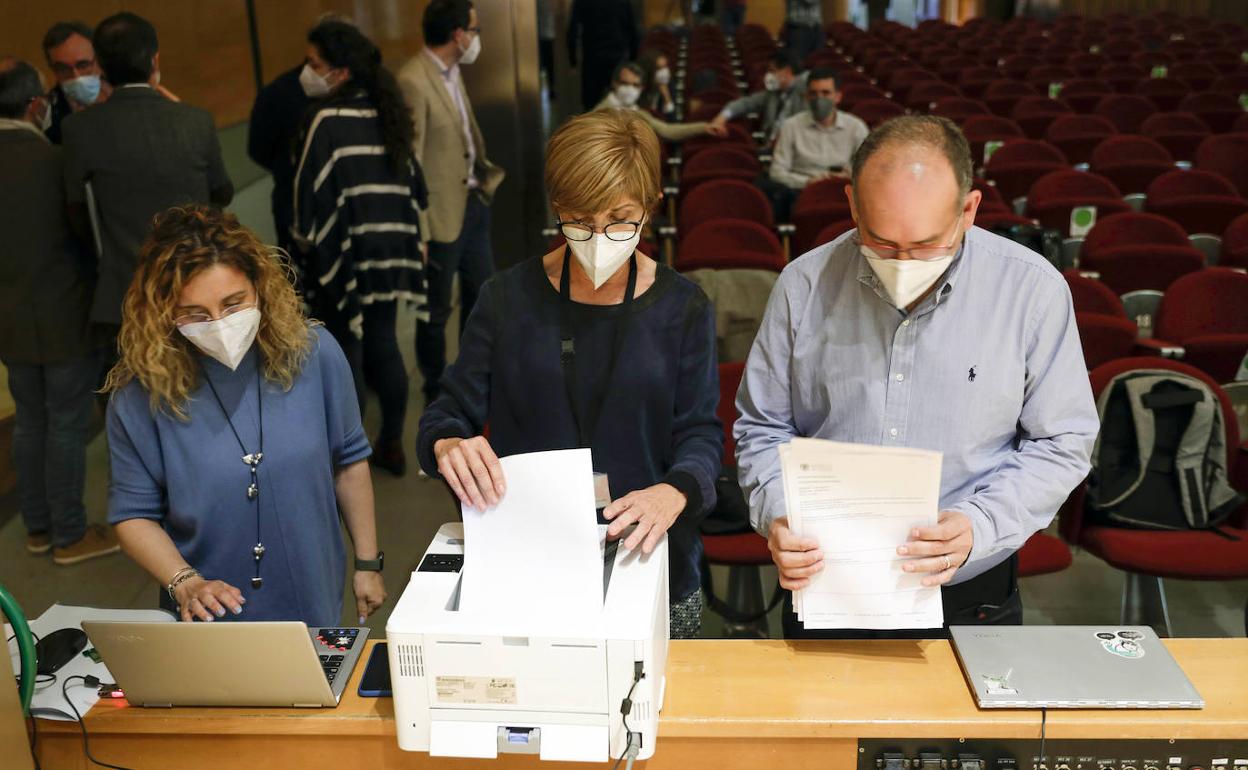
(461, 180)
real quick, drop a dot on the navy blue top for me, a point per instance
(189, 476)
(657, 421)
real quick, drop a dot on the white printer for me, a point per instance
(545, 680)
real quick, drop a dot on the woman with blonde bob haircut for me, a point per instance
(593, 345)
(234, 434)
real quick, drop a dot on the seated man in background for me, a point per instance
(142, 152)
(814, 144)
(783, 96)
(45, 287)
(919, 330)
(626, 87)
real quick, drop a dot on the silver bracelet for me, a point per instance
(180, 577)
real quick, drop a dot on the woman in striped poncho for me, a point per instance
(358, 191)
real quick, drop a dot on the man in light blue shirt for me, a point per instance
(919, 330)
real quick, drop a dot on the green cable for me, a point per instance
(25, 644)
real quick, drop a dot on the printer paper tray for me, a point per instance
(569, 737)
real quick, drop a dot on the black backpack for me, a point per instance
(1046, 243)
(1160, 459)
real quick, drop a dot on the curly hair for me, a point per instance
(183, 242)
(341, 44)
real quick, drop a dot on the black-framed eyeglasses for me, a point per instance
(616, 231)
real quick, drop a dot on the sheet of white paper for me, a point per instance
(859, 502)
(539, 549)
(48, 702)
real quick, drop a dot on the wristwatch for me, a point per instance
(371, 565)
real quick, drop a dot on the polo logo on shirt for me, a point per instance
(970, 376)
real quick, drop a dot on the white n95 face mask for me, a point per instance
(600, 256)
(314, 84)
(905, 280)
(628, 95)
(225, 339)
(771, 81)
(472, 51)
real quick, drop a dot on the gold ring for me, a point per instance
(948, 562)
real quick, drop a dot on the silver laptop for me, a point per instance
(1104, 667)
(228, 664)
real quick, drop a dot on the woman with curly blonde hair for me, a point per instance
(235, 435)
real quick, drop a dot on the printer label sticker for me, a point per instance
(476, 689)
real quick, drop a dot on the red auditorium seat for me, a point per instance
(730, 243)
(1126, 111)
(1200, 201)
(1087, 64)
(1218, 110)
(1207, 313)
(974, 80)
(1020, 162)
(1233, 83)
(1120, 49)
(1093, 297)
(1188, 555)
(1017, 66)
(980, 129)
(1002, 95)
(1132, 229)
(738, 136)
(1197, 75)
(833, 231)
(990, 199)
(1083, 94)
(1035, 113)
(724, 199)
(1105, 338)
(1166, 93)
(1131, 162)
(1179, 132)
(1078, 135)
(1053, 196)
(1235, 243)
(854, 93)
(1123, 77)
(902, 81)
(875, 111)
(1227, 155)
(1041, 77)
(1043, 554)
(1132, 267)
(959, 108)
(923, 95)
(731, 161)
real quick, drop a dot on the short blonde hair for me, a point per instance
(598, 158)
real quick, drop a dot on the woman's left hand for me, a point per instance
(654, 510)
(370, 592)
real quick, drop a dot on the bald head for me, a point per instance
(911, 183)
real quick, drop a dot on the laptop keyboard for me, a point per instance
(338, 650)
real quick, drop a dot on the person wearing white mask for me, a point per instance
(625, 93)
(71, 57)
(462, 181)
(918, 329)
(594, 345)
(783, 95)
(657, 94)
(235, 444)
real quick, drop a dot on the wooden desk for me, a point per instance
(729, 704)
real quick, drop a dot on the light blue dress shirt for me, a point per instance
(988, 370)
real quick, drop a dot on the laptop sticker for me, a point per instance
(1124, 644)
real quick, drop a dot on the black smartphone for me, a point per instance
(376, 680)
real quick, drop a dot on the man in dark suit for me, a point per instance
(136, 154)
(45, 288)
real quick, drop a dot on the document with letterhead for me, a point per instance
(860, 502)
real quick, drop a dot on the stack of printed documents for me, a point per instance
(859, 503)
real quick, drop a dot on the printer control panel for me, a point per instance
(441, 562)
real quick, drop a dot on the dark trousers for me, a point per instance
(470, 257)
(377, 362)
(50, 432)
(803, 39)
(596, 71)
(782, 198)
(988, 599)
(731, 17)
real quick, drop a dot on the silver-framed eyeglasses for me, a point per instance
(197, 318)
(922, 253)
(581, 231)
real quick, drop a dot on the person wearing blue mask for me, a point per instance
(71, 57)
